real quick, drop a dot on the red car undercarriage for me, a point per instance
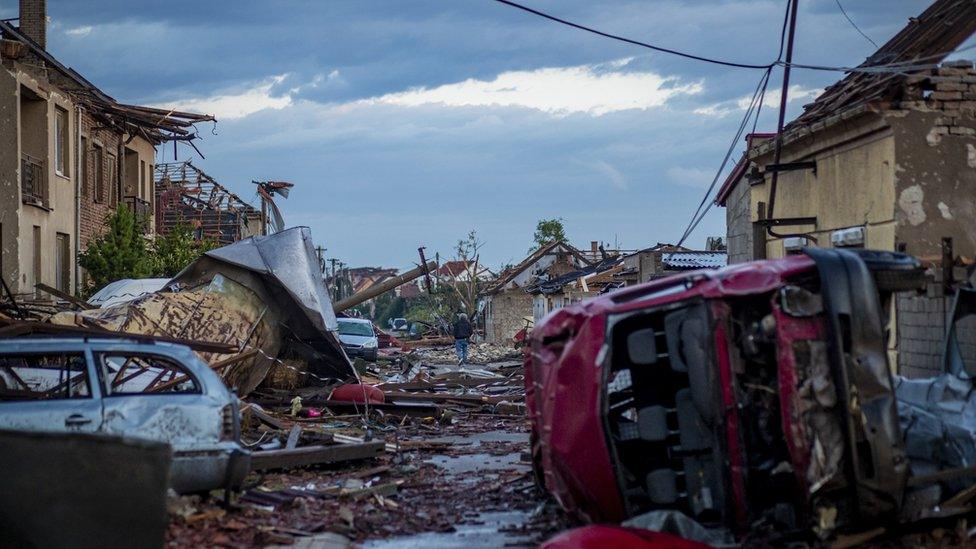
(756, 398)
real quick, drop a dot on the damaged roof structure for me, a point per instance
(186, 195)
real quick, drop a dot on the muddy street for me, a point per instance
(461, 480)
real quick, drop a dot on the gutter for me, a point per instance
(78, 176)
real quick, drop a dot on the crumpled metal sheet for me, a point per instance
(288, 257)
(283, 270)
(938, 419)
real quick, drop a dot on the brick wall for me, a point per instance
(94, 207)
(508, 310)
(739, 224)
(921, 330)
(33, 20)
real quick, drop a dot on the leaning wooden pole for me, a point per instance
(383, 287)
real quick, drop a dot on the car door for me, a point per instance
(48, 390)
(154, 396)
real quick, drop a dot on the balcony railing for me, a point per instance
(33, 181)
(141, 208)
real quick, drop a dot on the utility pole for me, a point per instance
(784, 92)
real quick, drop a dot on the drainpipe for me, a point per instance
(78, 177)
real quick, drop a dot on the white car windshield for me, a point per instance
(350, 328)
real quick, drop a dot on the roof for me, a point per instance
(454, 268)
(556, 285)
(508, 274)
(694, 260)
(740, 167)
(926, 39)
(155, 125)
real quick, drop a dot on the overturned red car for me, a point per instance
(758, 394)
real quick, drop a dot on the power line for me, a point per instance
(699, 214)
(631, 41)
(853, 24)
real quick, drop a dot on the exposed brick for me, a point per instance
(951, 86)
(961, 130)
(946, 95)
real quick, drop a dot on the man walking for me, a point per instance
(462, 331)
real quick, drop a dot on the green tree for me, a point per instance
(176, 249)
(122, 251)
(546, 231)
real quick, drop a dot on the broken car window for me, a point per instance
(43, 377)
(145, 375)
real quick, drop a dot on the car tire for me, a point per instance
(371, 356)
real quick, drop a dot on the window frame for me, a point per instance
(61, 146)
(80, 353)
(107, 377)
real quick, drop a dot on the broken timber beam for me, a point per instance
(65, 296)
(314, 455)
(383, 287)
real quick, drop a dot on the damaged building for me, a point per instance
(185, 195)
(881, 160)
(506, 302)
(69, 155)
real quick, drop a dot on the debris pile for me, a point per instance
(478, 353)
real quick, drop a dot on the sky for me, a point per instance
(407, 123)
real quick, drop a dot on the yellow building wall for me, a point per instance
(853, 186)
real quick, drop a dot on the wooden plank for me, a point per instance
(314, 455)
(65, 296)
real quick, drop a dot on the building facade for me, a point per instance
(881, 161)
(69, 155)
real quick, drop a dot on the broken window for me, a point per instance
(43, 377)
(130, 374)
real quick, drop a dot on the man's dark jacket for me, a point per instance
(462, 329)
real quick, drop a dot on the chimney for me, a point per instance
(594, 249)
(33, 21)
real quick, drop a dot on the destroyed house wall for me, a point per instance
(739, 224)
(506, 314)
(935, 187)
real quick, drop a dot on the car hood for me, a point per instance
(358, 341)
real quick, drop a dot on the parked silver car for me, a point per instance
(155, 391)
(358, 338)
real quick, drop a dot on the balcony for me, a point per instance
(33, 181)
(141, 208)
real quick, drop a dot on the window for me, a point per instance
(144, 194)
(62, 260)
(353, 328)
(113, 180)
(36, 260)
(145, 375)
(99, 174)
(43, 377)
(84, 167)
(61, 141)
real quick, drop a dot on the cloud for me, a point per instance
(617, 179)
(231, 105)
(79, 31)
(690, 177)
(591, 89)
(770, 101)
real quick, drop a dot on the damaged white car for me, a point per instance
(155, 391)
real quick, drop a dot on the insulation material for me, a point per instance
(221, 311)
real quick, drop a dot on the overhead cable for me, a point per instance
(631, 41)
(853, 24)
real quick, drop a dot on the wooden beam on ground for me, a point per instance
(65, 296)
(314, 455)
